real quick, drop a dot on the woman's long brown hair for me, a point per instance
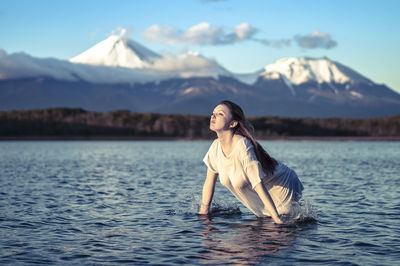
(244, 128)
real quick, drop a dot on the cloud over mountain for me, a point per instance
(316, 39)
(313, 40)
(113, 60)
(124, 33)
(280, 43)
(201, 34)
(206, 34)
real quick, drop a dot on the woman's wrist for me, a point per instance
(277, 219)
(204, 208)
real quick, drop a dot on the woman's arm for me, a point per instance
(268, 202)
(208, 192)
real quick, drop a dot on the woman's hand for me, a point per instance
(277, 220)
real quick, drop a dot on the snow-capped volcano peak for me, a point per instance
(117, 50)
(305, 69)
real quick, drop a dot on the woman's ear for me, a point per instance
(233, 124)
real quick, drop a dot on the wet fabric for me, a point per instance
(240, 172)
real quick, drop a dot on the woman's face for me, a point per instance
(221, 118)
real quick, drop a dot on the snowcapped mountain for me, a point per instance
(119, 73)
(21, 65)
(321, 80)
(305, 69)
(118, 51)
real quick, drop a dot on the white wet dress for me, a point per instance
(240, 172)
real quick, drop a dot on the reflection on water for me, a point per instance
(245, 241)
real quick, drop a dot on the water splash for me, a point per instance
(191, 205)
(302, 212)
(225, 210)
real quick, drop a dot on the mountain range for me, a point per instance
(119, 73)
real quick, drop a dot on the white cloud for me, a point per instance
(201, 34)
(275, 43)
(206, 34)
(162, 34)
(124, 33)
(181, 62)
(244, 31)
(316, 39)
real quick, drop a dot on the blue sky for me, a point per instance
(364, 35)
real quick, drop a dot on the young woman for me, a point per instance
(265, 186)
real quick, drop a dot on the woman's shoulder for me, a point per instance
(243, 143)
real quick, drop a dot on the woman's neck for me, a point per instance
(226, 138)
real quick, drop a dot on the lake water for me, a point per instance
(135, 202)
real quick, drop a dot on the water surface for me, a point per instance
(111, 202)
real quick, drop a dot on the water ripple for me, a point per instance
(135, 203)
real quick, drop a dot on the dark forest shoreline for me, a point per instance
(78, 124)
(121, 138)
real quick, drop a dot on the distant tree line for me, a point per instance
(80, 123)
